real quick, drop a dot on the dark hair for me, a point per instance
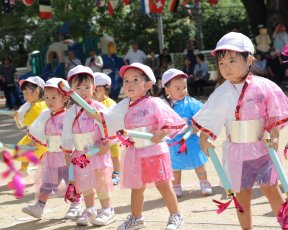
(28, 85)
(106, 87)
(80, 78)
(244, 55)
(6, 58)
(201, 57)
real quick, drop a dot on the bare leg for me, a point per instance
(245, 219)
(116, 163)
(201, 173)
(177, 177)
(169, 196)
(137, 201)
(274, 197)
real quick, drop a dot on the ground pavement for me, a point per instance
(199, 212)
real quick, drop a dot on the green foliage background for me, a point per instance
(126, 25)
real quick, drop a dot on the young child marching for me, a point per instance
(103, 83)
(32, 89)
(80, 132)
(247, 105)
(52, 176)
(147, 161)
(174, 84)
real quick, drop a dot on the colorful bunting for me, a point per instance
(45, 9)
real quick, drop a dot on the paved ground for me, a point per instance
(199, 212)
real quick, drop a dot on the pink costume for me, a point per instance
(80, 132)
(52, 177)
(247, 111)
(145, 162)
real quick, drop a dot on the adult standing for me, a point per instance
(7, 76)
(134, 55)
(94, 61)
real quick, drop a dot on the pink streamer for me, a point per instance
(183, 147)
(18, 185)
(125, 142)
(71, 194)
(285, 152)
(282, 216)
(223, 206)
(81, 161)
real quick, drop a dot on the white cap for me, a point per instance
(35, 80)
(144, 68)
(101, 79)
(235, 42)
(78, 70)
(169, 74)
(54, 82)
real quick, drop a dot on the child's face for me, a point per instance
(100, 93)
(55, 101)
(233, 67)
(85, 90)
(177, 89)
(134, 83)
(31, 95)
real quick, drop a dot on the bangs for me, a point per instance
(220, 54)
(81, 78)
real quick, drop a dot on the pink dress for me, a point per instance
(150, 163)
(52, 175)
(257, 100)
(79, 133)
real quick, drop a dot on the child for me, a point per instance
(147, 161)
(103, 83)
(174, 84)
(247, 105)
(32, 89)
(80, 131)
(46, 131)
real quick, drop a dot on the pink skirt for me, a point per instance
(97, 174)
(138, 171)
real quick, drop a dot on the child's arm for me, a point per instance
(159, 135)
(204, 143)
(274, 136)
(104, 147)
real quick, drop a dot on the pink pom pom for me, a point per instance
(81, 161)
(17, 184)
(71, 194)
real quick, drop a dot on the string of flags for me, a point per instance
(148, 6)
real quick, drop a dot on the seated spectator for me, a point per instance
(274, 67)
(188, 68)
(165, 56)
(72, 61)
(200, 77)
(94, 61)
(152, 61)
(260, 63)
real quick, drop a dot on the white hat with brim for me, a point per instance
(34, 80)
(169, 74)
(79, 69)
(101, 79)
(143, 68)
(234, 42)
(54, 83)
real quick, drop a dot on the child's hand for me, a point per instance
(274, 136)
(204, 143)
(104, 147)
(67, 158)
(158, 136)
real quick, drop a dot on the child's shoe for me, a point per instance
(178, 190)
(74, 211)
(175, 222)
(115, 178)
(35, 210)
(132, 223)
(205, 186)
(87, 216)
(104, 217)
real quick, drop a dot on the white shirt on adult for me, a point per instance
(135, 56)
(96, 65)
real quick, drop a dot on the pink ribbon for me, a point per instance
(282, 216)
(81, 161)
(126, 142)
(71, 194)
(223, 206)
(183, 147)
(285, 152)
